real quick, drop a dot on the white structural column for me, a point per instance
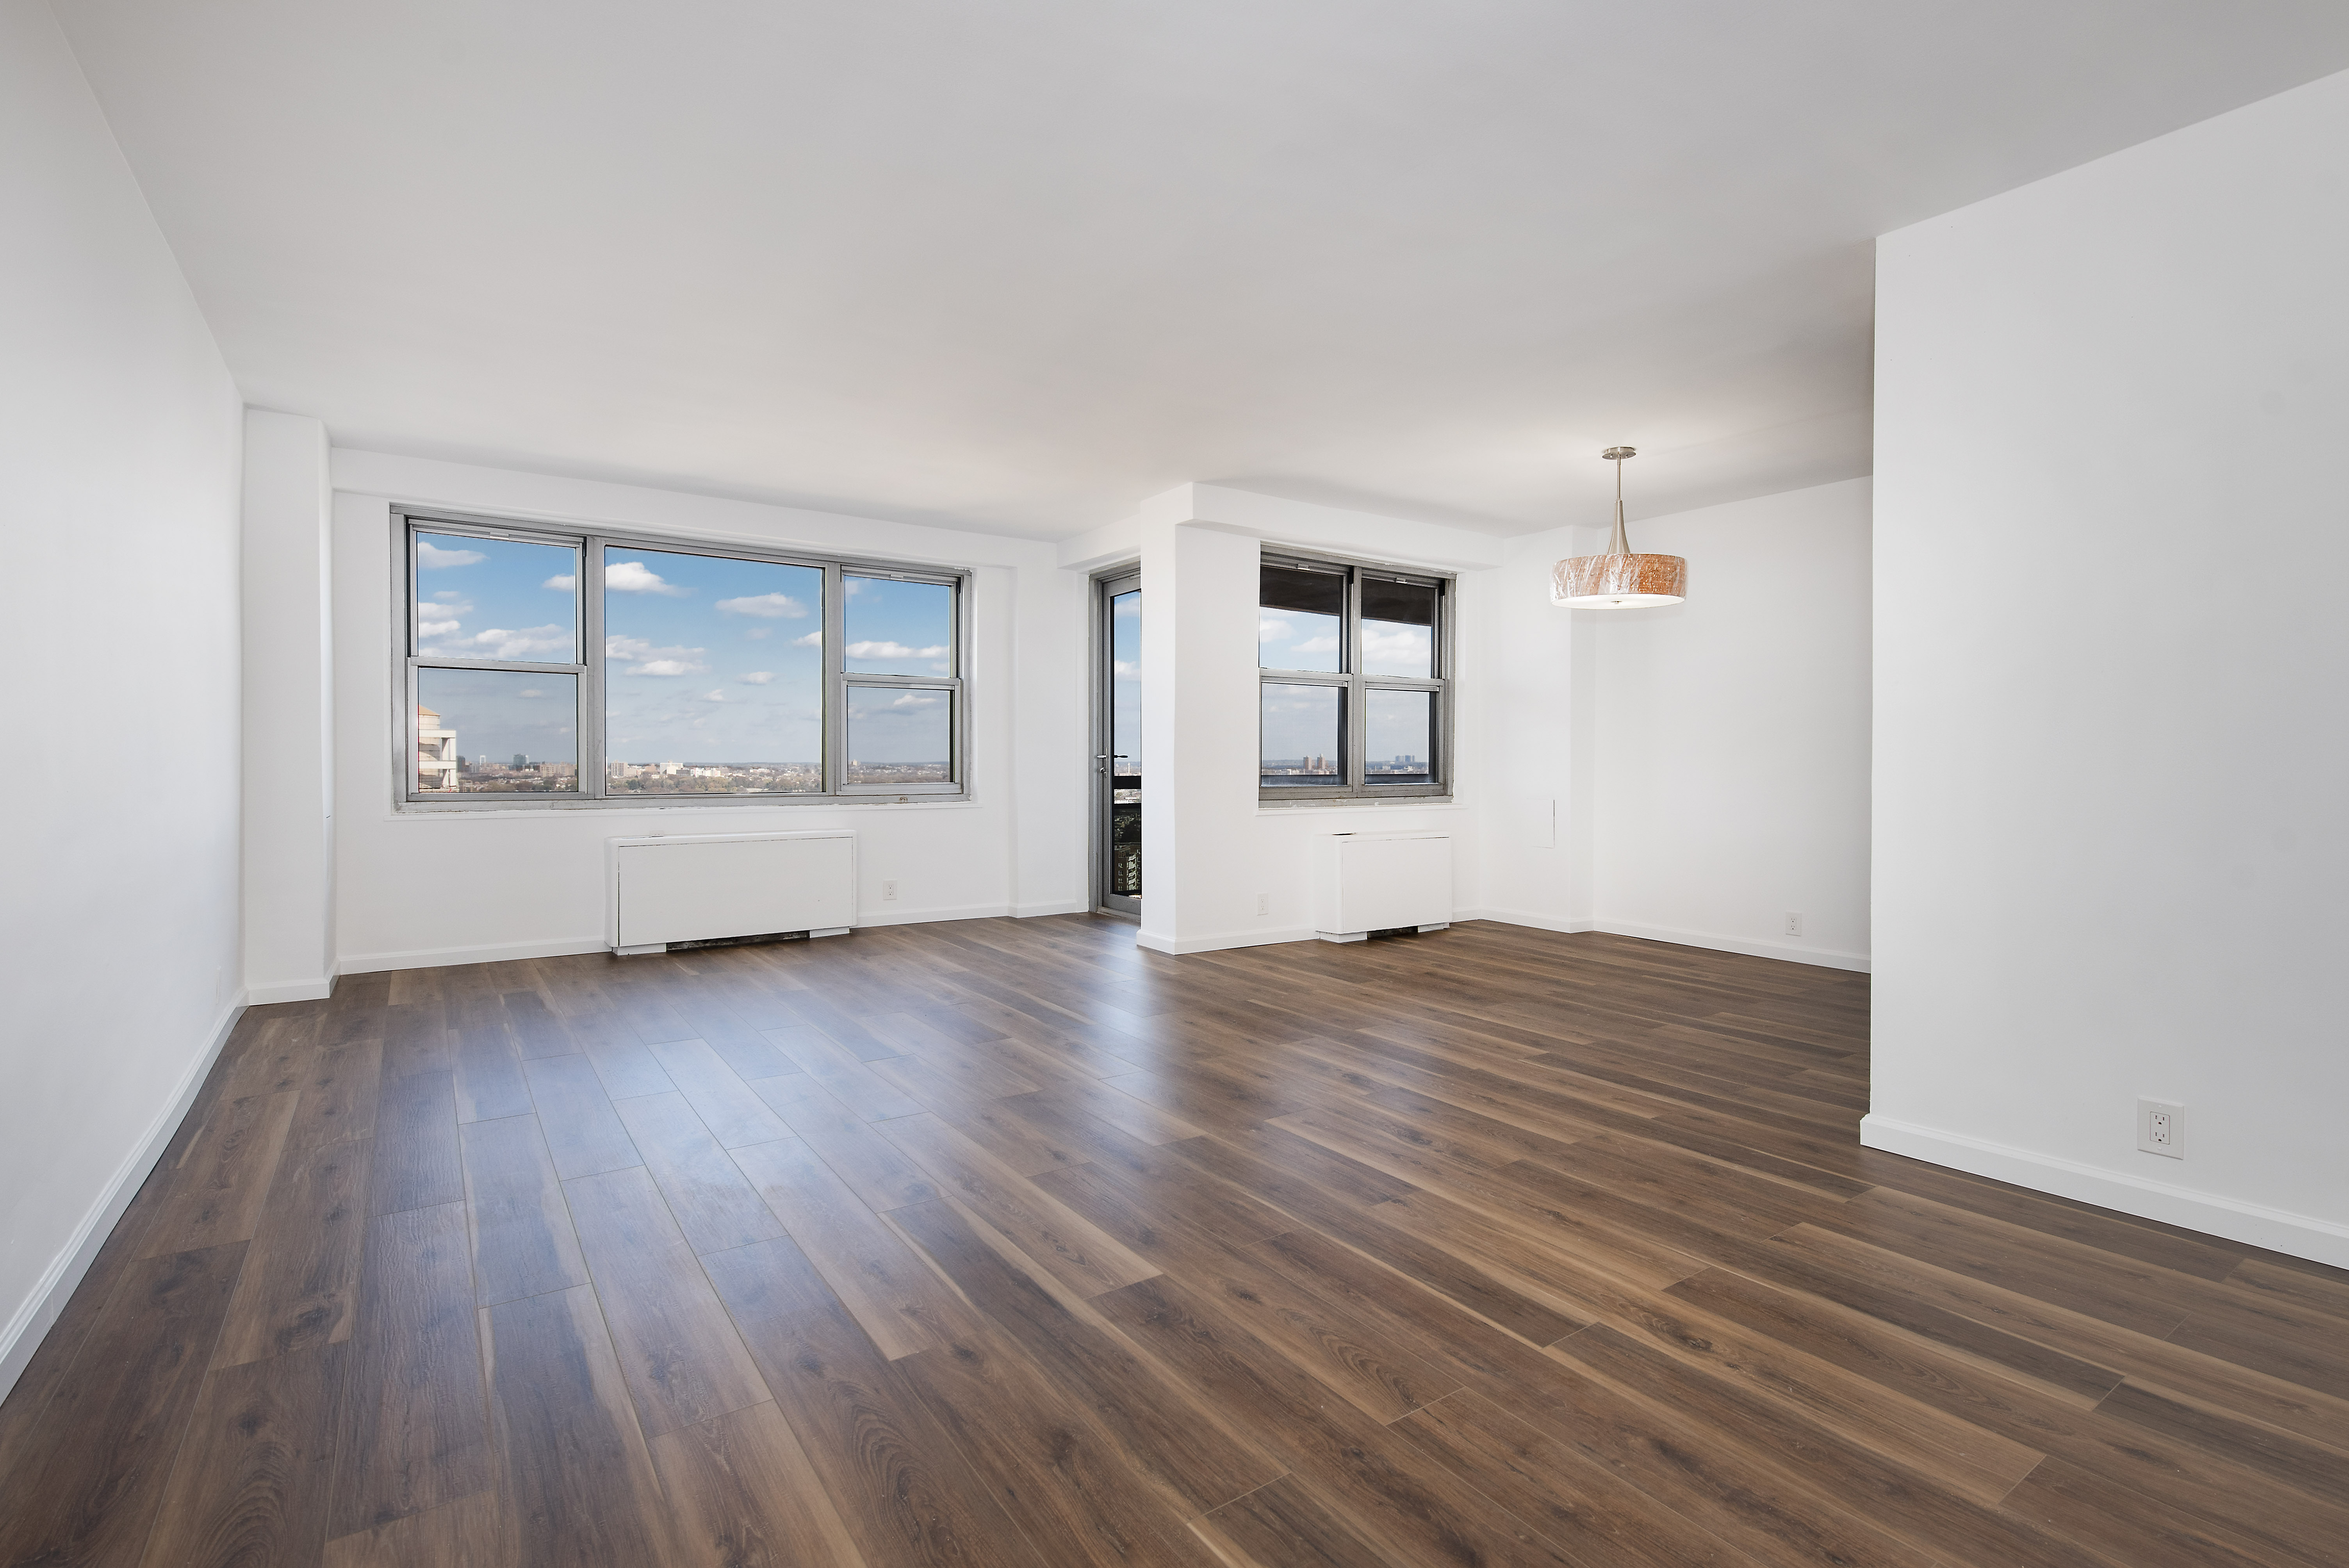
(289, 778)
(1219, 869)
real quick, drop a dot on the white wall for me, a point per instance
(1535, 671)
(119, 464)
(289, 710)
(421, 888)
(1731, 734)
(2113, 449)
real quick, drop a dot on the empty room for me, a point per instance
(1279, 784)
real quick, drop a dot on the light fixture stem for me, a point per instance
(1621, 545)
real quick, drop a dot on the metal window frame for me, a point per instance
(588, 726)
(1104, 737)
(1356, 687)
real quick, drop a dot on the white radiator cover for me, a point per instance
(697, 887)
(1380, 881)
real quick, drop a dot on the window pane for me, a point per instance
(1301, 744)
(1125, 744)
(496, 732)
(900, 734)
(1398, 747)
(899, 628)
(1125, 681)
(1398, 629)
(713, 675)
(496, 599)
(1300, 622)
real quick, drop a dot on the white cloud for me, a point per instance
(769, 605)
(636, 577)
(758, 632)
(855, 585)
(941, 668)
(532, 691)
(536, 642)
(431, 557)
(566, 583)
(643, 659)
(1404, 642)
(713, 696)
(918, 700)
(1121, 667)
(453, 601)
(1269, 630)
(1123, 607)
(435, 628)
(756, 677)
(813, 640)
(1318, 645)
(894, 651)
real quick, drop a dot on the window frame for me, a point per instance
(1356, 687)
(589, 722)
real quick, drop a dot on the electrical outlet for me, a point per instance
(1794, 923)
(1264, 904)
(2161, 1128)
(888, 893)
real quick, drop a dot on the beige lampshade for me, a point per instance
(1620, 582)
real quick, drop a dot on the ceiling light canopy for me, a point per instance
(1619, 580)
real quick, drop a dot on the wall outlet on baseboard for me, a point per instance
(2161, 1128)
(1794, 923)
(888, 893)
(1264, 904)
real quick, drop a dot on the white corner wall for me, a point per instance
(1730, 734)
(289, 710)
(118, 478)
(1534, 670)
(2113, 449)
(416, 888)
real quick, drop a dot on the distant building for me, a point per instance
(436, 753)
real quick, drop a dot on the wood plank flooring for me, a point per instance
(1009, 1243)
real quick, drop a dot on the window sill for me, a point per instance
(1423, 802)
(508, 813)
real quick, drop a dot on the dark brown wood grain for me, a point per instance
(87, 1490)
(411, 1434)
(1010, 1243)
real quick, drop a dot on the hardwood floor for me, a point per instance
(1008, 1242)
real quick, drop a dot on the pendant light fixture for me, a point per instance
(1619, 580)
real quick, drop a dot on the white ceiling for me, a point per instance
(1018, 265)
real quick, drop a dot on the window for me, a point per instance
(545, 667)
(1355, 685)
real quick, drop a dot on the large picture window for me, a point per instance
(1355, 685)
(548, 667)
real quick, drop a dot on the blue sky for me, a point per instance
(707, 659)
(1126, 680)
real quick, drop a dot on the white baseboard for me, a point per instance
(1824, 957)
(1525, 917)
(506, 952)
(290, 991)
(1063, 906)
(40, 1309)
(922, 916)
(2278, 1230)
(1221, 940)
(440, 957)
